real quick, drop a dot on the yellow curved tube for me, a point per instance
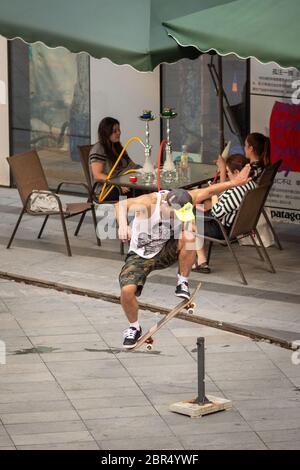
(103, 196)
(112, 187)
(129, 171)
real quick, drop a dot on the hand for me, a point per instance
(124, 233)
(124, 190)
(214, 200)
(220, 164)
(242, 177)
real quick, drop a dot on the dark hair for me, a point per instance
(236, 162)
(105, 129)
(261, 147)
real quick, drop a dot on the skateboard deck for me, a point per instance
(188, 305)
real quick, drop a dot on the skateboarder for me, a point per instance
(153, 244)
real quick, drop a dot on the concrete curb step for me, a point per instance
(225, 326)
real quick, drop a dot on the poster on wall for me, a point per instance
(275, 111)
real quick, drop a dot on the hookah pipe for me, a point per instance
(163, 142)
(103, 195)
(167, 114)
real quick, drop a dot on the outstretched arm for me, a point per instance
(129, 206)
(199, 195)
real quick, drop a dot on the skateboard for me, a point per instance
(147, 338)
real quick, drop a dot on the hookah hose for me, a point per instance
(113, 186)
(103, 194)
(163, 142)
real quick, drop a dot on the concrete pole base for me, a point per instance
(195, 410)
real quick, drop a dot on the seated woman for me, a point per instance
(257, 150)
(104, 154)
(224, 208)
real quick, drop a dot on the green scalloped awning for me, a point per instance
(265, 29)
(125, 31)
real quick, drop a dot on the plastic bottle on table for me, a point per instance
(226, 150)
(184, 163)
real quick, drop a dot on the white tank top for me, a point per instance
(149, 235)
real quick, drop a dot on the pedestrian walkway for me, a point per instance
(68, 385)
(267, 308)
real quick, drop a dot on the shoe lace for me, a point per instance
(185, 286)
(129, 333)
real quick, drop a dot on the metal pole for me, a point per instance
(201, 398)
(221, 105)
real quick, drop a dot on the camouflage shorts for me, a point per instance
(136, 268)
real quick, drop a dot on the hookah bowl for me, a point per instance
(168, 113)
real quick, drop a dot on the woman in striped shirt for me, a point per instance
(224, 208)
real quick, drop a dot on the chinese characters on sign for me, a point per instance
(277, 109)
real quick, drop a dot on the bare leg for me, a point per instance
(201, 256)
(129, 302)
(187, 254)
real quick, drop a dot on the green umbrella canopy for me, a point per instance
(265, 29)
(125, 31)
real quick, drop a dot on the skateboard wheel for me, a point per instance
(191, 308)
(149, 347)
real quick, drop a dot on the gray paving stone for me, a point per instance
(131, 411)
(117, 401)
(54, 340)
(89, 369)
(149, 443)
(245, 374)
(59, 330)
(267, 403)
(50, 387)
(274, 413)
(105, 392)
(61, 347)
(44, 428)
(291, 445)
(39, 417)
(32, 406)
(90, 445)
(108, 382)
(271, 424)
(5, 439)
(223, 422)
(23, 378)
(277, 436)
(32, 368)
(22, 359)
(231, 441)
(256, 385)
(261, 393)
(75, 356)
(290, 370)
(120, 428)
(122, 397)
(52, 438)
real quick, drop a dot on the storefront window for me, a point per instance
(50, 107)
(188, 87)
